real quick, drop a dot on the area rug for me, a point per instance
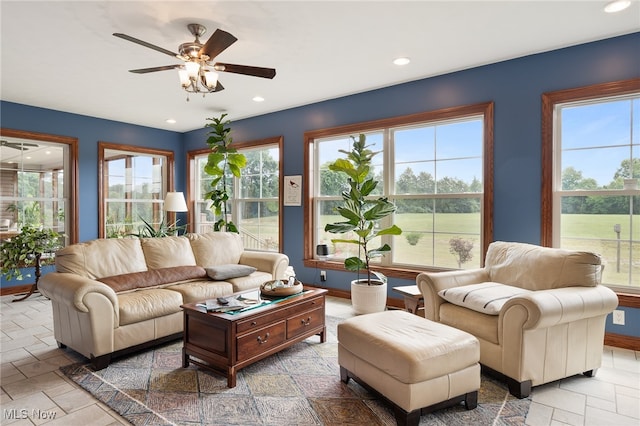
(298, 386)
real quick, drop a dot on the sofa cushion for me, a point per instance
(486, 298)
(153, 277)
(542, 268)
(224, 272)
(216, 248)
(147, 304)
(249, 282)
(197, 291)
(102, 258)
(166, 252)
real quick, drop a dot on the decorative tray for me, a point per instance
(280, 288)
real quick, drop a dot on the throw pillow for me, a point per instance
(225, 272)
(486, 298)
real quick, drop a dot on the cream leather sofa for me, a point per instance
(110, 296)
(538, 312)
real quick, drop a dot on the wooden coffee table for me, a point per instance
(226, 342)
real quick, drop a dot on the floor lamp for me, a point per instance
(175, 202)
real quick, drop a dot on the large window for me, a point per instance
(38, 183)
(434, 166)
(592, 176)
(134, 182)
(254, 205)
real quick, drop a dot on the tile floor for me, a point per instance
(34, 392)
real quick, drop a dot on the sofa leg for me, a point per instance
(591, 373)
(471, 400)
(61, 345)
(344, 374)
(100, 362)
(519, 389)
(406, 419)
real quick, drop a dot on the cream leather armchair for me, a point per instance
(538, 312)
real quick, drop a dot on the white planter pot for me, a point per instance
(367, 299)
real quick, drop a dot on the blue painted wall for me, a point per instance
(515, 86)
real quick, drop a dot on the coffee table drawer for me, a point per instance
(260, 341)
(304, 322)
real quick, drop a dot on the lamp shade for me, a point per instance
(174, 202)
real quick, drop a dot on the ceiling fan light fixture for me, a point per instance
(193, 69)
(184, 78)
(211, 79)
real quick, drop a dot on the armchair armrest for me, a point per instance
(546, 308)
(271, 262)
(430, 283)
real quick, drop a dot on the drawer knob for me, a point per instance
(254, 323)
(306, 322)
(261, 340)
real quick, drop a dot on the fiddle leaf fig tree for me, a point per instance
(361, 212)
(223, 162)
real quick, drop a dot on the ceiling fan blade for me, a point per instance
(154, 69)
(145, 44)
(245, 69)
(217, 43)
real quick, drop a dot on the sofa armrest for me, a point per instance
(71, 289)
(546, 308)
(271, 262)
(430, 283)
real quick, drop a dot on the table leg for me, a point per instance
(411, 304)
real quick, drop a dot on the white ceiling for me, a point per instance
(62, 55)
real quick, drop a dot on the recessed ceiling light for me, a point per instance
(258, 99)
(617, 6)
(170, 121)
(401, 61)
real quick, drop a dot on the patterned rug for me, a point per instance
(298, 386)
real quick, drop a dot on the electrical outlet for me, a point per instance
(618, 317)
(323, 275)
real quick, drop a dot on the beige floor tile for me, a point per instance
(628, 406)
(625, 359)
(601, 404)
(40, 367)
(560, 398)
(34, 407)
(625, 390)
(589, 386)
(92, 415)
(41, 383)
(597, 417)
(618, 377)
(74, 400)
(17, 356)
(539, 415)
(568, 418)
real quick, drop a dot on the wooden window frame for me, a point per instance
(485, 108)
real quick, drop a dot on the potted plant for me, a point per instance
(25, 250)
(363, 214)
(222, 162)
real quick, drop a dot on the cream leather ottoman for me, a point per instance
(416, 364)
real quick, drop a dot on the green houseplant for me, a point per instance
(26, 249)
(362, 216)
(222, 162)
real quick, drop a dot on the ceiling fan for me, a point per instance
(21, 146)
(197, 73)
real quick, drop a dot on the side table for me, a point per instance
(413, 299)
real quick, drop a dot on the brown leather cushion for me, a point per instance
(153, 277)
